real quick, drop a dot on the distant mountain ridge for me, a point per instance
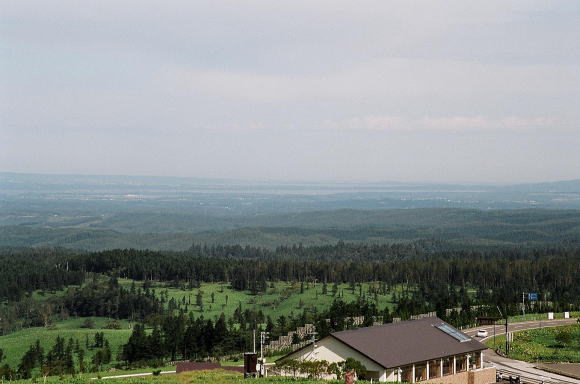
(8, 179)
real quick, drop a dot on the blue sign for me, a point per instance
(532, 296)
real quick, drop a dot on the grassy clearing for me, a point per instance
(280, 298)
(543, 345)
(17, 343)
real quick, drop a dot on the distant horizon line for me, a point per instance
(291, 181)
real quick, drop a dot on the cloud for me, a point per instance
(446, 123)
(383, 80)
(330, 87)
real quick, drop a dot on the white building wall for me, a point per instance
(391, 375)
(334, 351)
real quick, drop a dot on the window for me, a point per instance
(476, 360)
(434, 368)
(447, 366)
(407, 374)
(453, 332)
(461, 363)
(420, 371)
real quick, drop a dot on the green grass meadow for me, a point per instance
(17, 343)
(541, 345)
(280, 298)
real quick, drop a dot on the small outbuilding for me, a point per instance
(423, 350)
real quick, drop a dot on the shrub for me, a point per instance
(113, 325)
(564, 337)
(88, 323)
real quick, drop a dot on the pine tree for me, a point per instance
(69, 363)
(155, 344)
(199, 300)
(136, 347)
(107, 354)
(27, 363)
(81, 359)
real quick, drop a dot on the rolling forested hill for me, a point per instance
(461, 226)
(100, 212)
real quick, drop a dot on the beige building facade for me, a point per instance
(447, 363)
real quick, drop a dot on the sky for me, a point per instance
(420, 91)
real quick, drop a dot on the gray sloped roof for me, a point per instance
(396, 344)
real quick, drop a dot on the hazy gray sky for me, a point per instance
(472, 91)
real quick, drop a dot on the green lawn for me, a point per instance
(542, 345)
(17, 343)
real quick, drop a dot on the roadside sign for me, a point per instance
(532, 296)
(566, 315)
(550, 315)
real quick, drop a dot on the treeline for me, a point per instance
(29, 269)
(506, 272)
(429, 265)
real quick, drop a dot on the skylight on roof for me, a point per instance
(453, 332)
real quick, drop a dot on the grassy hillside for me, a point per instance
(281, 298)
(17, 343)
(544, 344)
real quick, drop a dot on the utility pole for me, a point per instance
(494, 321)
(541, 308)
(254, 340)
(507, 345)
(506, 329)
(263, 337)
(523, 304)
(313, 334)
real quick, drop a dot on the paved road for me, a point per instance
(521, 367)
